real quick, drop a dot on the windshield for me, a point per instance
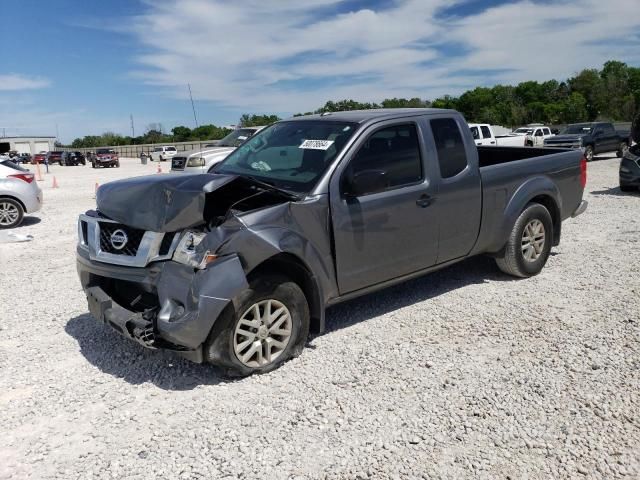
(579, 128)
(522, 130)
(236, 137)
(289, 155)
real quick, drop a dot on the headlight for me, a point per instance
(195, 162)
(187, 252)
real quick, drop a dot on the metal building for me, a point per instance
(27, 144)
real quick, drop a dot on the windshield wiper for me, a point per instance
(270, 186)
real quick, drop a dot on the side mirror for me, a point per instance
(365, 182)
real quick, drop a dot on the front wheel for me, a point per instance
(622, 149)
(270, 326)
(529, 243)
(11, 213)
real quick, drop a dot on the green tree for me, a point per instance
(181, 133)
(247, 120)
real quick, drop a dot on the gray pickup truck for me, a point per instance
(236, 266)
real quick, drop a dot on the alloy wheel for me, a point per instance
(533, 238)
(9, 213)
(262, 333)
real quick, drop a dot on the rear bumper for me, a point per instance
(581, 209)
(165, 305)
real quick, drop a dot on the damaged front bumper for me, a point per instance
(165, 305)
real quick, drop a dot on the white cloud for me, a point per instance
(293, 56)
(16, 81)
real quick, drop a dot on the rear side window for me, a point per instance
(452, 156)
(546, 131)
(392, 150)
(486, 133)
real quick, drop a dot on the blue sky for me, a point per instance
(85, 66)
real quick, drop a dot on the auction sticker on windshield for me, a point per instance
(316, 144)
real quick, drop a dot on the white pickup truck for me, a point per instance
(536, 135)
(483, 135)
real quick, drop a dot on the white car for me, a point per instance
(199, 161)
(483, 135)
(19, 194)
(536, 136)
(160, 154)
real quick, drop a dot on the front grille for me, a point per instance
(130, 247)
(178, 163)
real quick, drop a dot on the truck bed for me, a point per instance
(548, 171)
(488, 156)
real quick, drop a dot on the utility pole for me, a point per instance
(192, 105)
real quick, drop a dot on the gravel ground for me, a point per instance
(464, 373)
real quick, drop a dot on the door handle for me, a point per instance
(492, 143)
(424, 201)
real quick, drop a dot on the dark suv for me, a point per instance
(72, 158)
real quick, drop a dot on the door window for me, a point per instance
(546, 131)
(452, 156)
(476, 133)
(538, 133)
(393, 154)
(486, 133)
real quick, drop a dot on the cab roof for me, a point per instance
(362, 116)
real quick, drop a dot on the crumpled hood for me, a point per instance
(160, 203)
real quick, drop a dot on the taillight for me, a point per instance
(583, 172)
(27, 177)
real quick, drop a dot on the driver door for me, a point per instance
(383, 223)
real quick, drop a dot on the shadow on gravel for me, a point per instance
(29, 221)
(475, 270)
(615, 191)
(125, 359)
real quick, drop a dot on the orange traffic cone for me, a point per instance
(38, 172)
(55, 183)
(159, 169)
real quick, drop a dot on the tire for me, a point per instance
(93, 165)
(161, 159)
(519, 262)
(117, 164)
(228, 347)
(11, 213)
(622, 149)
(588, 153)
(626, 188)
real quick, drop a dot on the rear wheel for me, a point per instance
(529, 243)
(626, 188)
(270, 326)
(622, 149)
(11, 213)
(588, 153)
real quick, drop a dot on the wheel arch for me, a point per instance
(24, 208)
(539, 190)
(294, 268)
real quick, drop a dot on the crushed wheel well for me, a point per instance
(293, 268)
